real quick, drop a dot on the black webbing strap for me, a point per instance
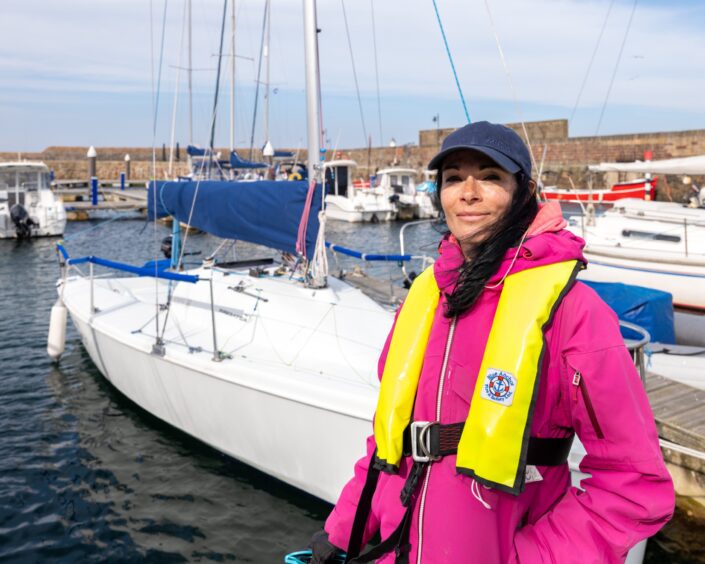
(443, 440)
(363, 511)
(398, 542)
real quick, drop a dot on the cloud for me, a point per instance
(89, 48)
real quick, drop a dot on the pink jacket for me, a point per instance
(630, 494)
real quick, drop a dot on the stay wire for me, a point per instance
(592, 60)
(616, 67)
(155, 110)
(374, 46)
(511, 84)
(452, 65)
(257, 82)
(352, 61)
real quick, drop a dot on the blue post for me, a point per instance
(175, 243)
(94, 191)
(52, 177)
(122, 181)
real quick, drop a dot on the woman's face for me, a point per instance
(475, 193)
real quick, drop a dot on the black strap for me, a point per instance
(398, 542)
(363, 511)
(444, 439)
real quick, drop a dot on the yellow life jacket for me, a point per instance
(494, 442)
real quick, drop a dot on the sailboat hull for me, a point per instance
(284, 421)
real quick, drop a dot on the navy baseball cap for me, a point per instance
(500, 143)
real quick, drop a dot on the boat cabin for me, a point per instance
(339, 178)
(397, 180)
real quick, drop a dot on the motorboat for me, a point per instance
(425, 195)
(400, 186)
(345, 202)
(28, 207)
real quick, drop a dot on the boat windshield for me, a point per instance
(27, 179)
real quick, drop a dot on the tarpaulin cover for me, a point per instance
(646, 307)
(237, 162)
(262, 212)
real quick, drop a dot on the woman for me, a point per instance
(497, 358)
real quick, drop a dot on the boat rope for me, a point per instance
(119, 214)
(374, 46)
(616, 66)
(257, 81)
(217, 80)
(303, 223)
(319, 262)
(511, 84)
(172, 140)
(592, 60)
(352, 62)
(450, 58)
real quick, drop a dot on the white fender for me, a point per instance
(56, 340)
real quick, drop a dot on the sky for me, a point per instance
(87, 72)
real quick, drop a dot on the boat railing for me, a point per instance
(152, 270)
(636, 346)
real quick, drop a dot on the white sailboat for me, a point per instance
(28, 207)
(261, 365)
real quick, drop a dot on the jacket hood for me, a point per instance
(547, 242)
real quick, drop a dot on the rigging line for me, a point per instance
(616, 66)
(155, 109)
(176, 96)
(511, 84)
(217, 80)
(452, 65)
(257, 82)
(592, 59)
(352, 61)
(374, 46)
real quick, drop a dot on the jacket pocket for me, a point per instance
(580, 388)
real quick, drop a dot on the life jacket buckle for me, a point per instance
(421, 441)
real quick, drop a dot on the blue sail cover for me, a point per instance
(237, 162)
(649, 308)
(262, 212)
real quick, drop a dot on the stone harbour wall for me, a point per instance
(562, 159)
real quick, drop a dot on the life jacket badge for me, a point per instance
(499, 387)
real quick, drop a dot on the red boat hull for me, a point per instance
(642, 189)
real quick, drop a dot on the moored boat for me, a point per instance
(28, 207)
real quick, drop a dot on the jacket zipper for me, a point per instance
(439, 398)
(579, 383)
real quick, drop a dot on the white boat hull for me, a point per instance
(284, 417)
(685, 282)
(343, 209)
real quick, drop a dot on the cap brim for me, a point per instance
(500, 158)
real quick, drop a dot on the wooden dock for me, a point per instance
(679, 411)
(79, 206)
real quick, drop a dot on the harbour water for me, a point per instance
(87, 476)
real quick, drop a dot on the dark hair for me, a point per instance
(488, 255)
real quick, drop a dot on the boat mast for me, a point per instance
(232, 80)
(312, 90)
